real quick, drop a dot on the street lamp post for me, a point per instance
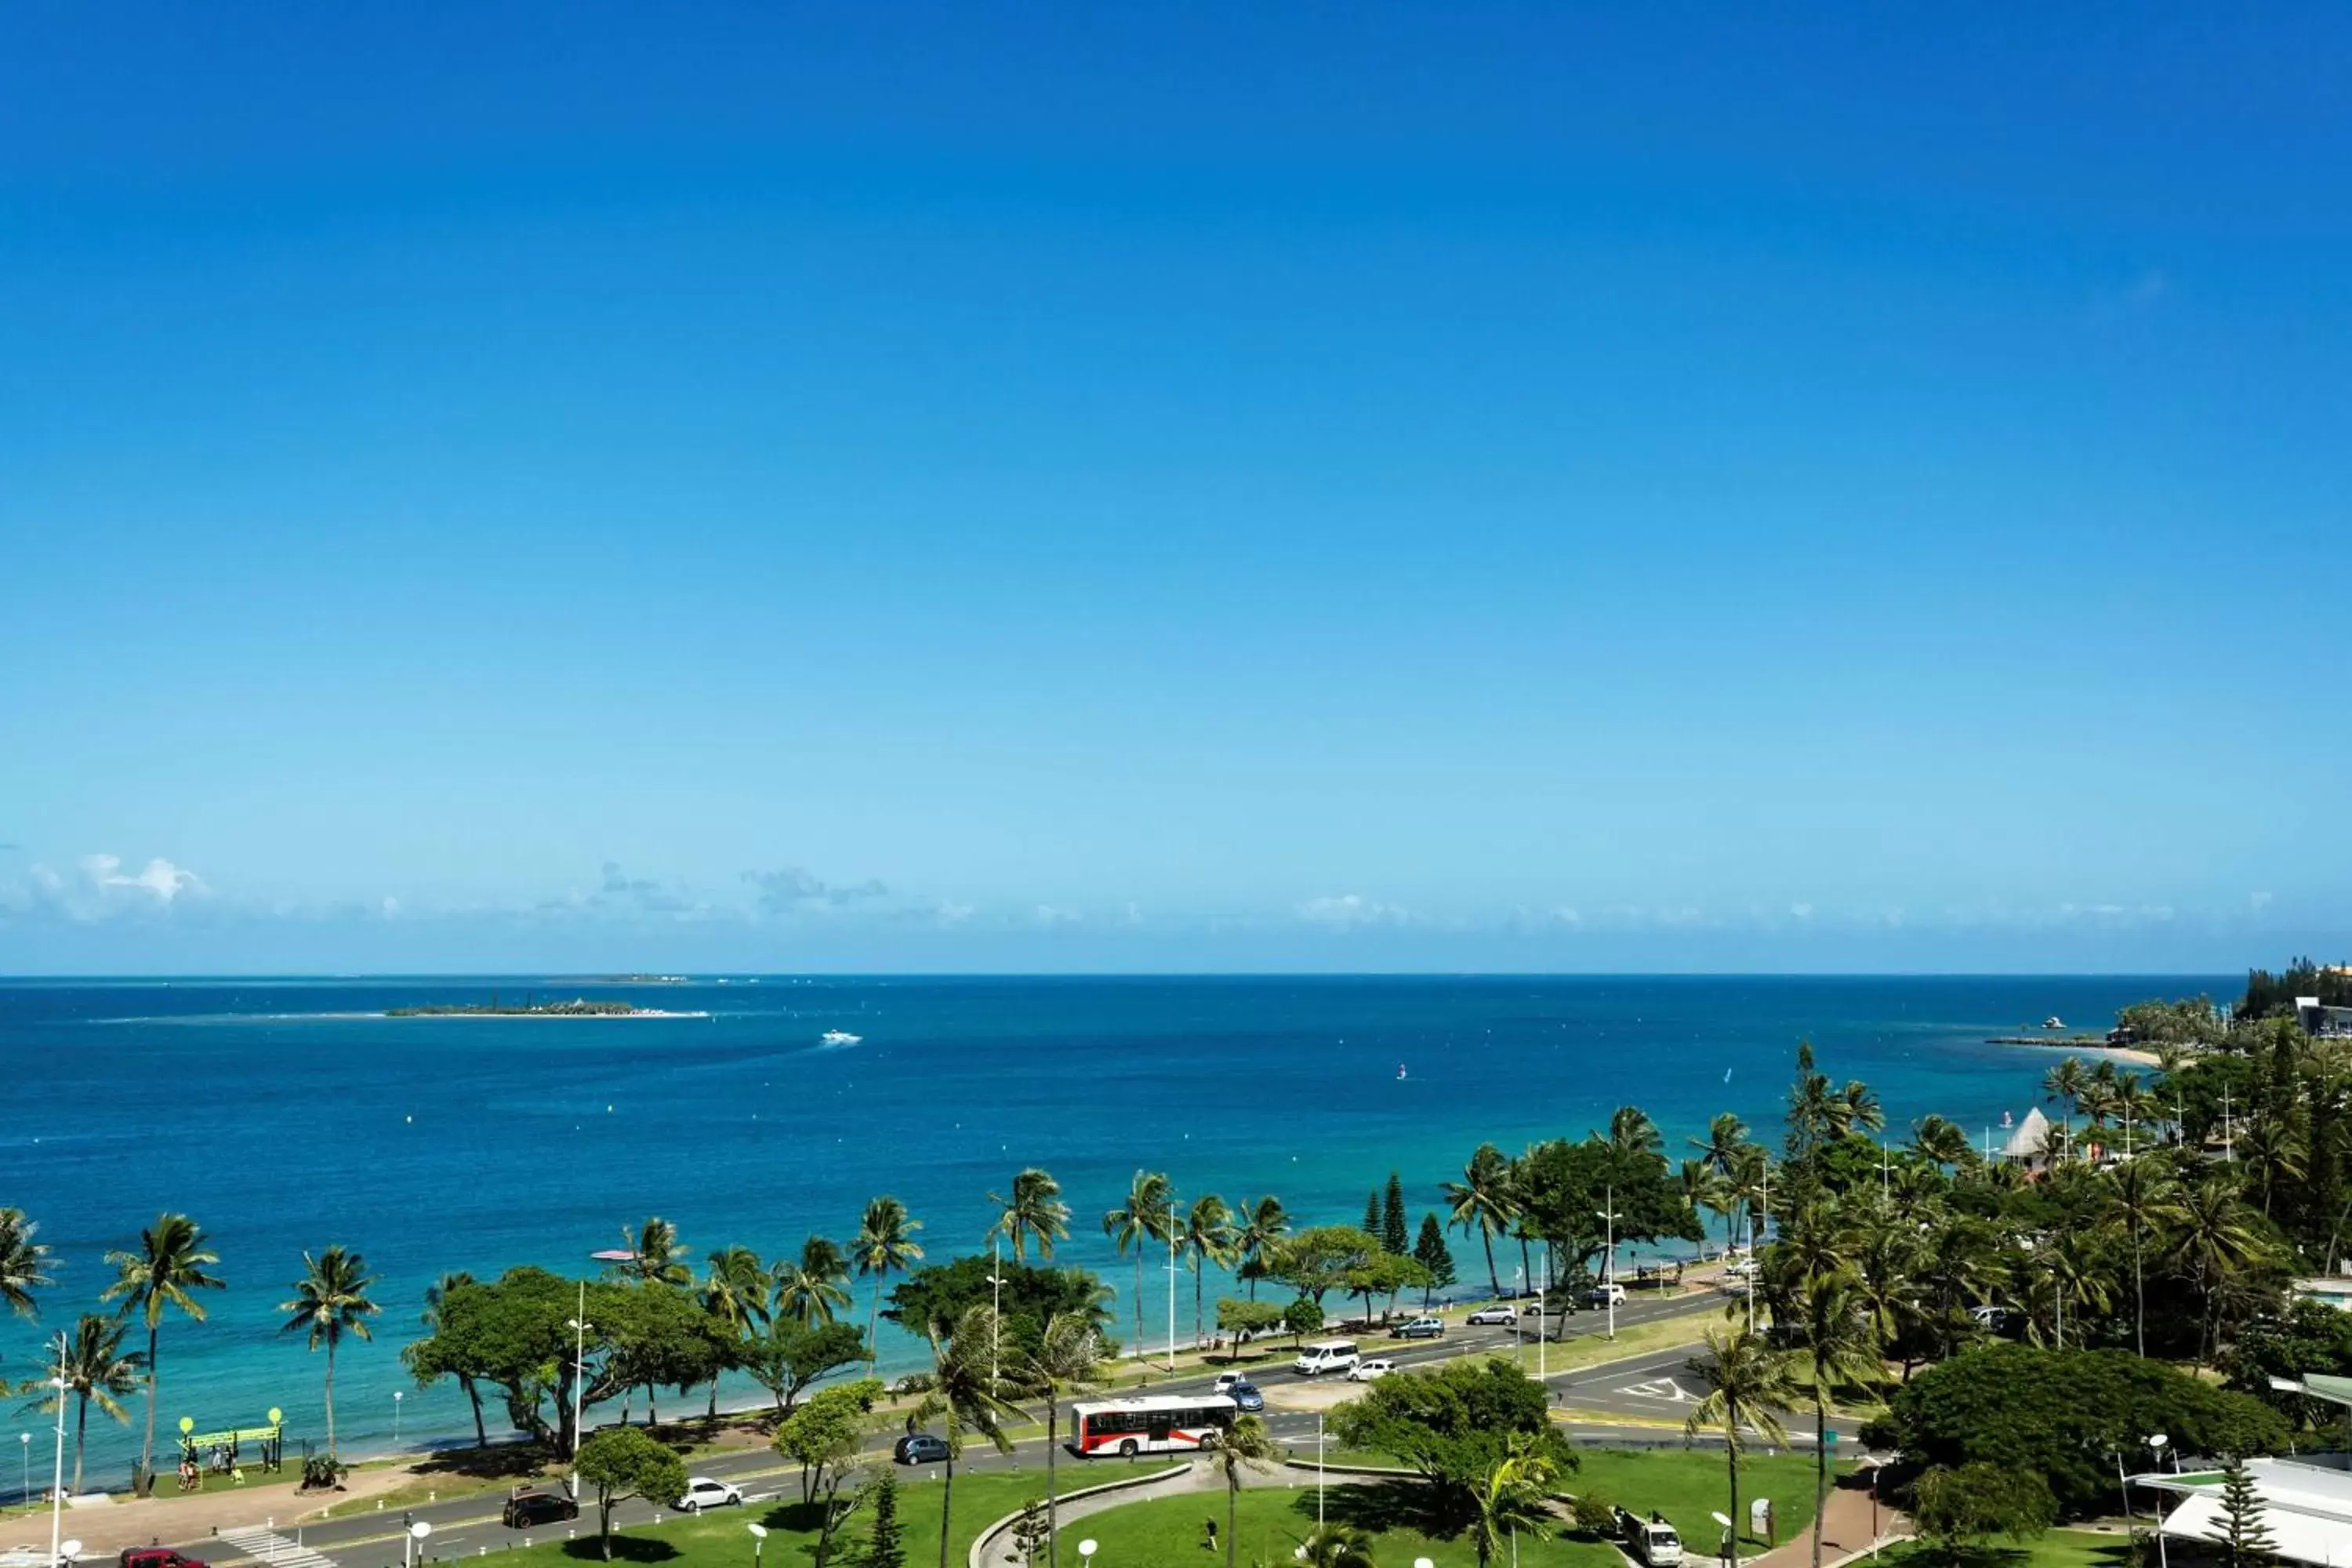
(1172, 1239)
(2164, 1558)
(759, 1542)
(1608, 1275)
(580, 1327)
(995, 1302)
(396, 1396)
(25, 1441)
(58, 1485)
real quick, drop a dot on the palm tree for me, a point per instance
(1845, 1350)
(1719, 1151)
(885, 1245)
(1939, 1138)
(2214, 1241)
(735, 1286)
(170, 1263)
(1482, 1201)
(1247, 1445)
(655, 1256)
(1888, 1256)
(1509, 1494)
(1206, 1237)
(434, 1295)
(1262, 1227)
(1336, 1546)
(2063, 1270)
(2271, 1150)
(1034, 1212)
(97, 1370)
(1705, 1187)
(329, 1299)
(2140, 1199)
(2062, 1086)
(1144, 1217)
(1748, 1383)
(1631, 1132)
(1068, 1358)
(811, 1288)
(963, 1397)
(24, 1262)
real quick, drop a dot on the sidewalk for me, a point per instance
(107, 1530)
(1846, 1530)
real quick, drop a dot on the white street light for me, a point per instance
(1173, 1234)
(759, 1542)
(71, 1551)
(1087, 1550)
(414, 1538)
(580, 1327)
(1422, 1562)
(2157, 1441)
(1609, 1276)
(995, 1301)
(25, 1441)
(397, 1396)
(58, 1487)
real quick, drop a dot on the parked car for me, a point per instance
(702, 1493)
(1611, 1294)
(1365, 1371)
(1495, 1314)
(1651, 1542)
(1246, 1396)
(1420, 1329)
(1326, 1355)
(1991, 1319)
(919, 1448)
(526, 1509)
(156, 1557)
(1225, 1381)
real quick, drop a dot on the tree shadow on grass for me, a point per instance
(506, 1461)
(795, 1516)
(626, 1548)
(1397, 1505)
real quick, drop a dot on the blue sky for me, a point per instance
(1236, 488)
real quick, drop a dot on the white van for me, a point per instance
(1327, 1355)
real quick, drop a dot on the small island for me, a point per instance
(578, 1007)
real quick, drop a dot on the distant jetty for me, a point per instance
(578, 1007)
(2048, 1040)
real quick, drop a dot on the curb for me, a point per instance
(978, 1556)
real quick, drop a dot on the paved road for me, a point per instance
(1659, 1386)
(468, 1526)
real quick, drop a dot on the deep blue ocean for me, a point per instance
(286, 1114)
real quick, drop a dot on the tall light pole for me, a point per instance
(2164, 1558)
(995, 1301)
(1172, 1283)
(397, 1397)
(25, 1441)
(58, 1485)
(1609, 1278)
(580, 1326)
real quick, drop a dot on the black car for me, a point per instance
(919, 1448)
(1246, 1397)
(526, 1509)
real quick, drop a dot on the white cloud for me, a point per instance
(1047, 915)
(161, 878)
(1348, 910)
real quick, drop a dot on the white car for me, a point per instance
(1365, 1371)
(1225, 1381)
(1485, 1315)
(702, 1493)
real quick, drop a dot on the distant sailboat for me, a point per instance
(1399, 1071)
(840, 1037)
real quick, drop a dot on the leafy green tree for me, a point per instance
(169, 1264)
(788, 1355)
(827, 1434)
(1237, 1318)
(938, 1295)
(97, 1371)
(885, 1245)
(655, 1256)
(330, 1300)
(24, 1262)
(1383, 1274)
(1318, 1260)
(658, 1337)
(1149, 1214)
(886, 1546)
(1452, 1427)
(2062, 1414)
(1247, 1446)
(2242, 1529)
(1748, 1383)
(1429, 1251)
(1302, 1317)
(435, 1294)
(1955, 1507)
(1034, 1212)
(1393, 1234)
(623, 1462)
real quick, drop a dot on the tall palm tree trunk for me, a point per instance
(331, 1396)
(874, 1313)
(1821, 1460)
(1139, 1300)
(474, 1395)
(81, 1430)
(2140, 1301)
(1731, 1456)
(147, 1452)
(1493, 1280)
(1197, 1271)
(1232, 1507)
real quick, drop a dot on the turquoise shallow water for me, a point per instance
(283, 1115)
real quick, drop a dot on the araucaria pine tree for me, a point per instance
(2240, 1530)
(884, 1547)
(1394, 1239)
(1372, 1212)
(1431, 1253)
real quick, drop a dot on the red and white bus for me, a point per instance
(1155, 1424)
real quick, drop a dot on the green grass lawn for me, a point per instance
(1166, 1531)
(718, 1540)
(2059, 1549)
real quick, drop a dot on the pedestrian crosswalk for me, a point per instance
(267, 1546)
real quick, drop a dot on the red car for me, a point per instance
(156, 1557)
